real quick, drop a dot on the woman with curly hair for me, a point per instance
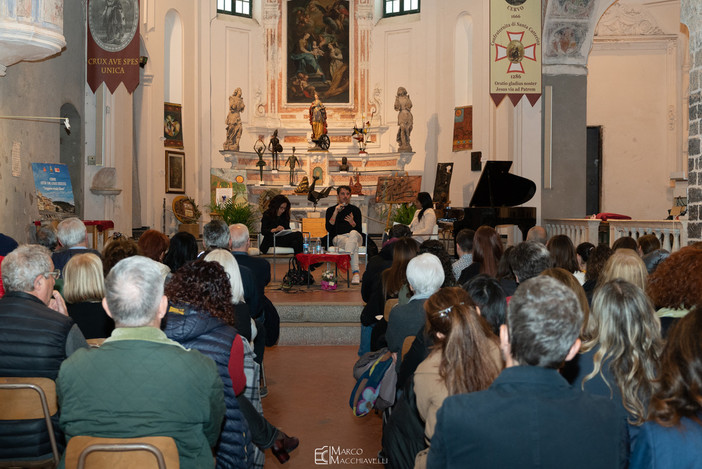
(620, 357)
(676, 285)
(276, 219)
(672, 436)
(201, 316)
(564, 256)
(487, 252)
(465, 356)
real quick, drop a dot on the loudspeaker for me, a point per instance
(475, 163)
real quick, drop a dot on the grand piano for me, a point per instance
(493, 202)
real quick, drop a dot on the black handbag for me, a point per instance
(296, 275)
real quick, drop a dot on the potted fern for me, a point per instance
(232, 211)
(404, 213)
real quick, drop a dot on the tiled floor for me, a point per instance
(309, 388)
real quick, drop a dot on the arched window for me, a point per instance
(400, 7)
(236, 7)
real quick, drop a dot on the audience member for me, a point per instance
(563, 255)
(619, 359)
(488, 296)
(343, 223)
(215, 235)
(47, 236)
(625, 242)
(565, 427)
(83, 290)
(201, 316)
(424, 221)
(505, 276)
(382, 260)
(647, 243)
(437, 248)
(276, 219)
(36, 335)
(625, 264)
(582, 254)
(464, 251)
(73, 240)
(116, 250)
(154, 244)
(140, 383)
(7, 244)
(672, 436)
(676, 285)
(487, 251)
(595, 263)
(528, 260)
(537, 234)
(182, 248)
(466, 357)
(654, 258)
(425, 275)
(244, 325)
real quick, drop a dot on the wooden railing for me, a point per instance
(671, 233)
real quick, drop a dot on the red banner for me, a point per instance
(113, 44)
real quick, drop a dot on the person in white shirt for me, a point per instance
(422, 225)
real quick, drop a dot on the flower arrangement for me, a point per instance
(328, 280)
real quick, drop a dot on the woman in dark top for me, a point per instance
(276, 219)
(83, 289)
(181, 250)
(487, 252)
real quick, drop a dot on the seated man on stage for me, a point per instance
(344, 227)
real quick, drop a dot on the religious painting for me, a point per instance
(563, 40)
(172, 125)
(463, 128)
(318, 51)
(175, 172)
(442, 184)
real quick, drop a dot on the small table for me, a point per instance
(342, 261)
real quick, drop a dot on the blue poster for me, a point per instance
(53, 186)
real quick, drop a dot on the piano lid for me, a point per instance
(499, 188)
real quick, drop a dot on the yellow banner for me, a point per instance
(515, 50)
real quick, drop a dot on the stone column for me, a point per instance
(691, 15)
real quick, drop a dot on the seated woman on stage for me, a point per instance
(276, 219)
(422, 225)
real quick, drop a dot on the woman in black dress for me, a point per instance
(83, 289)
(276, 219)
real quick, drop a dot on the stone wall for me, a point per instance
(691, 15)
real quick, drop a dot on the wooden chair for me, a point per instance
(389, 304)
(407, 344)
(95, 343)
(98, 453)
(25, 399)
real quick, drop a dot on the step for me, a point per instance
(319, 323)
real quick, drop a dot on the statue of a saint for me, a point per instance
(234, 128)
(275, 147)
(292, 161)
(403, 104)
(318, 121)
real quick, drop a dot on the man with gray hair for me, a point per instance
(425, 275)
(566, 427)
(140, 383)
(36, 336)
(72, 240)
(215, 235)
(537, 234)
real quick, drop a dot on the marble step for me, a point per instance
(319, 324)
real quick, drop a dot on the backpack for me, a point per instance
(375, 382)
(296, 275)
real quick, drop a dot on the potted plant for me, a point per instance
(232, 212)
(404, 213)
(329, 280)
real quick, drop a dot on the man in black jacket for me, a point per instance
(36, 335)
(343, 223)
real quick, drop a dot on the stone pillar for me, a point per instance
(691, 15)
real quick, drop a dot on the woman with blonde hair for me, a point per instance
(619, 359)
(465, 356)
(83, 290)
(244, 324)
(625, 264)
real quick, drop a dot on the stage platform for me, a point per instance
(314, 316)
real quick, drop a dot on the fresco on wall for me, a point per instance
(580, 9)
(318, 51)
(564, 40)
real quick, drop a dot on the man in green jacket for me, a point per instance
(140, 383)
